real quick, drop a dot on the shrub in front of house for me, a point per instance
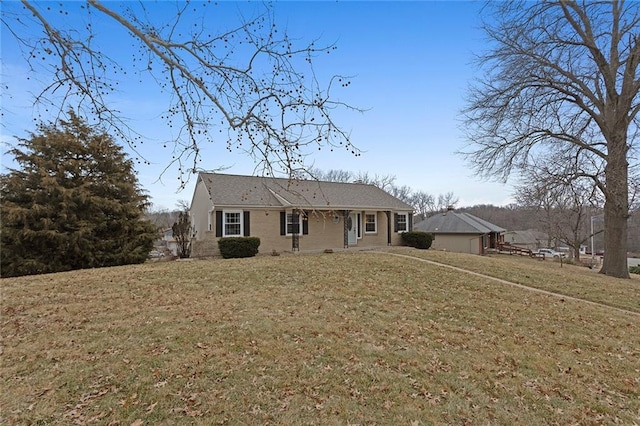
(635, 269)
(417, 239)
(234, 247)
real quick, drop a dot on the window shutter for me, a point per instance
(218, 223)
(395, 222)
(283, 223)
(305, 224)
(410, 222)
(247, 230)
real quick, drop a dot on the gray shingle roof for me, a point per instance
(256, 191)
(529, 236)
(451, 222)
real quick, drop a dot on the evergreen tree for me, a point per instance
(74, 202)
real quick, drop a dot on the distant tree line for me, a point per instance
(424, 204)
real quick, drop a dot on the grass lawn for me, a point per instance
(547, 275)
(342, 338)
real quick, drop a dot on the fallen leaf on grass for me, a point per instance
(43, 391)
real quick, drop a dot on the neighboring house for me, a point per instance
(530, 239)
(166, 244)
(170, 243)
(461, 232)
(294, 215)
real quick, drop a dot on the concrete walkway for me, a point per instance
(501, 281)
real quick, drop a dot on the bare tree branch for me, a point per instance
(250, 88)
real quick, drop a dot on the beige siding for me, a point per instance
(265, 224)
(324, 233)
(460, 243)
(205, 247)
(380, 237)
(199, 211)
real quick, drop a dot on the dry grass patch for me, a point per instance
(309, 339)
(567, 279)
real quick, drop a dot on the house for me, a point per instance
(165, 243)
(294, 215)
(169, 242)
(530, 239)
(461, 232)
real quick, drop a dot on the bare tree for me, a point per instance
(536, 196)
(402, 193)
(249, 87)
(423, 203)
(183, 234)
(565, 206)
(384, 182)
(333, 175)
(562, 78)
(446, 201)
(575, 209)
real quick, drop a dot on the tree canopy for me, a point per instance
(562, 83)
(73, 202)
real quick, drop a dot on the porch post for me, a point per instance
(295, 239)
(388, 213)
(345, 230)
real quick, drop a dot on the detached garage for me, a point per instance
(461, 232)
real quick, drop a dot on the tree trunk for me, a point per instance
(616, 209)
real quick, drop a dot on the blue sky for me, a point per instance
(411, 63)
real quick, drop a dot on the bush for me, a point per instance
(635, 270)
(234, 247)
(417, 239)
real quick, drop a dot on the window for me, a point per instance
(370, 224)
(293, 224)
(402, 222)
(232, 224)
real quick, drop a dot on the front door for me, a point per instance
(352, 228)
